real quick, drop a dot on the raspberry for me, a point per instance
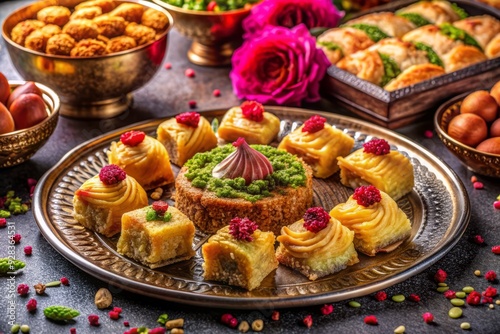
(314, 124)
(117, 309)
(216, 92)
(64, 281)
(28, 250)
(316, 219)
(478, 185)
(160, 207)
(16, 238)
(381, 296)
(190, 118)
(496, 249)
(474, 298)
(327, 309)
(93, 320)
(371, 320)
(252, 110)
(72, 330)
(126, 323)
(440, 276)
(428, 317)
(377, 147)
(112, 174)
(192, 104)
(31, 305)
(414, 298)
(478, 239)
(308, 321)
(490, 276)
(275, 315)
(450, 294)
(3, 222)
(367, 195)
(132, 138)
(114, 315)
(23, 289)
(190, 73)
(486, 300)
(490, 292)
(242, 229)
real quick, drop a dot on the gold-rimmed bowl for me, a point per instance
(89, 87)
(18, 146)
(215, 35)
(483, 163)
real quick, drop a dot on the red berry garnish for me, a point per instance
(326, 309)
(308, 321)
(496, 205)
(414, 297)
(160, 207)
(16, 238)
(28, 250)
(440, 276)
(3, 222)
(490, 275)
(31, 305)
(111, 174)
(252, 110)
(367, 195)
(486, 300)
(114, 315)
(478, 239)
(474, 298)
(190, 118)
(157, 330)
(64, 281)
(381, 296)
(428, 317)
(132, 138)
(242, 228)
(450, 294)
(72, 330)
(478, 185)
(93, 320)
(168, 66)
(490, 292)
(314, 124)
(229, 320)
(23, 289)
(126, 323)
(428, 134)
(275, 315)
(496, 249)
(190, 73)
(316, 219)
(371, 320)
(117, 309)
(377, 147)
(192, 104)
(216, 92)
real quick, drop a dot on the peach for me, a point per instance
(27, 87)
(469, 129)
(28, 110)
(4, 89)
(6, 120)
(480, 103)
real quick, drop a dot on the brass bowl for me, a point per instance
(90, 87)
(215, 35)
(18, 146)
(479, 162)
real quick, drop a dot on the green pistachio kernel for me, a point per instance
(354, 303)
(442, 284)
(457, 302)
(455, 312)
(468, 289)
(460, 294)
(465, 325)
(398, 298)
(15, 328)
(53, 284)
(443, 289)
(400, 330)
(25, 329)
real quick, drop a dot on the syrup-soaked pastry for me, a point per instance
(250, 121)
(185, 135)
(379, 225)
(101, 201)
(413, 75)
(376, 164)
(429, 12)
(482, 28)
(142, 157)
(342, 41)
(318, 144)
(462, 56)
(493, 48)
(389, 23)
(432, 36)
(317, 245)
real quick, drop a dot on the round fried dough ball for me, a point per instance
(110, 26)
(57, 15)
(89, 48)
(36, 41)
(131, 12)
(60, 44)
(154, 19)
(81, 29)
(86, 13)
(23, 29)
(140, 33)
(105, 5)
(120, 43)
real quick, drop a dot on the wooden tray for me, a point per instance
(404, 106)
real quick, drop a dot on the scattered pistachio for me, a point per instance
(15, 328)
(497, 301)
(455, 312)
(25, 329)
(477, 273)
(175, 323)
(460, 294)
(491, 306)
(465, 325)
(457, 302)
(443, 289)
(354, 303)
(103, 298)
(442, 284)
(52, 284)
(400, 330)
(162, 319)
(244, 326)
(176, 331)
(257, 325)
(398, 298)
(468, 289)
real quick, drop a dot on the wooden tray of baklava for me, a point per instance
(438, 208)
(397, 63)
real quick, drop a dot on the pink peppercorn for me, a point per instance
(93, 320)
(428, 317)
(157, 330)
(496, 205)
(490, 292)
(31, 305)
(3, 222)
(474, 298)
(189, 73)
(308, 321)
(114, 315)
(72, 330)
(440, 276)
(371, 320)
(168, 66)
(16, 238)
(23, 289)
(126, 323)
(490, 275)
(192, 104)
(428, 134)
(450, 294)
(216, 92)
(496, 249)
(28, 250)
(229, 320)
(275, 316)
(478, 239)
(64, 281)
(117, 309)
(478, 185)
(381, 296)
(414, 297)
(327, 309)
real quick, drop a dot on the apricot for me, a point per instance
(495, 128)
(28, 110)
(490, 145)
(480, 103)
(495, 92)
(27, 87)
(469, 129)
(6, 120)
(4, 89)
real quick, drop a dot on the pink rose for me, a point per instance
(281, 66)
(290, 13)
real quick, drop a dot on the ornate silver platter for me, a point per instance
(438, 208)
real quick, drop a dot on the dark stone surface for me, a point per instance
(169, 93)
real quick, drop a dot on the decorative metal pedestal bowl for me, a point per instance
(90, 87)
(215, 35)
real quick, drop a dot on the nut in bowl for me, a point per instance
(215, 34)
(19, 145)
(80, 59)
(478, 161)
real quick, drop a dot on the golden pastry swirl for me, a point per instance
(147, 162)
(300, 243)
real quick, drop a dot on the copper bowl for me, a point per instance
(18, 146)
(90, 87)
(477, 161)
(215, 35)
